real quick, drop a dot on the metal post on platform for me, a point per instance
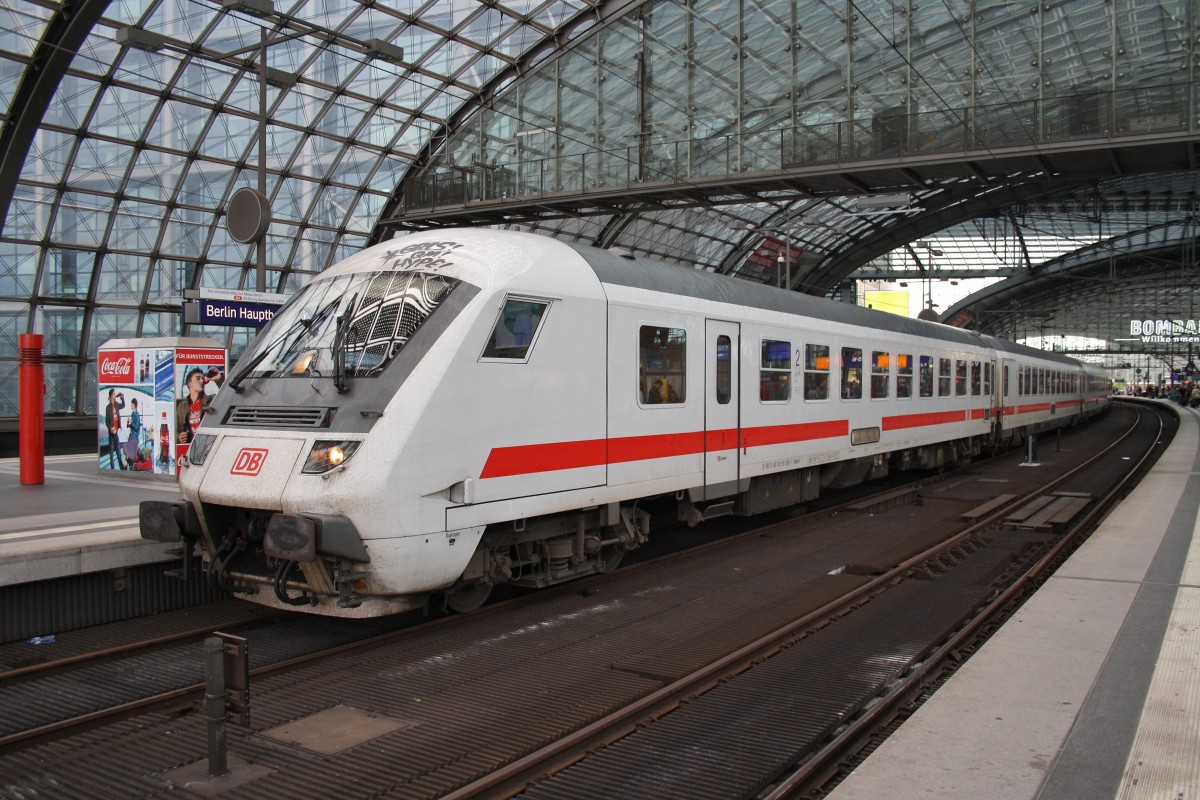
(214, 705)
(32, 381)
(1031, 449)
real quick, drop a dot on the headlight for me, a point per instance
(327, 455)
(201, 445)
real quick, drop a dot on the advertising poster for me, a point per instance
(127, 405)
(163, 426)
(199, 374)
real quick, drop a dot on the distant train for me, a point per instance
(453, 410)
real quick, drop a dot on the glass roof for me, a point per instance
(113, 215)
(126, 134)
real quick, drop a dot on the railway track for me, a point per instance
(596, 732)
(89, 650)
(86, 694)
(583, 764)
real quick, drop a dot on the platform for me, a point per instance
(79, 521)
(1092, 689)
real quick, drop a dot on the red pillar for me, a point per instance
(31, 410)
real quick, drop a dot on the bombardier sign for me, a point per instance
(1165, 330)
(232, 308)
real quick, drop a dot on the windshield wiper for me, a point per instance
(236, 383)
(339, 348)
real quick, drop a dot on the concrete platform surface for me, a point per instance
(1090, 691)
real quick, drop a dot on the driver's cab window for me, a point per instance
(515, 328)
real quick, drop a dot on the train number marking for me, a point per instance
(249, 461)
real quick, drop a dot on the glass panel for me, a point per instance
(67, 273)
(724, 368)
(775, 376)
(944, 368)
(880, 374)
(62, 385)
(926, 376)
(662, 365)
(851, 373)
(904, 372)
(515, 329)
(816, 372)
(960, 378)
(8, 377)
(18, 269)
(122, 277)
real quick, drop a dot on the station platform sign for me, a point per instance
(231, 308)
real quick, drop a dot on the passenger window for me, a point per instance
(662, 365)
(904, 375)
(816, 372)
(724, 370)
(926, 376)
(975, 378)
(944, 366)
(987, 378)
(1006, 385)
(515, 329)
(960, 378)
(880, 372)
(851, 373)
(775, 374)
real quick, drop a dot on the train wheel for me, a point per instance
(467, 597)
(611, 558)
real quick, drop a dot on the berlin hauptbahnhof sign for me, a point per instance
(230, 307)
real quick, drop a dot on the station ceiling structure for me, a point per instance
(1051, 147)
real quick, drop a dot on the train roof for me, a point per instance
(625, 269)
(1006, 346)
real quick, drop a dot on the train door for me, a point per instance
(1006, 391)
(721, 404)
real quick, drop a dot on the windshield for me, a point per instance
(376, 312)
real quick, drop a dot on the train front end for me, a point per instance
(292, 492)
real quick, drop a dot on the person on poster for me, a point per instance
(112, 421)
(133, 444)
(190, 407)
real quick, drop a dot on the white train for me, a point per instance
(453, 410)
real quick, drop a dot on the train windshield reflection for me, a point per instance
(377, 314)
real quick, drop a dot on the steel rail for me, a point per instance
(96, 656)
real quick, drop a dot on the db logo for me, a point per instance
(249, 461)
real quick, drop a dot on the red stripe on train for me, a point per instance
(921, 420)
(503, 462)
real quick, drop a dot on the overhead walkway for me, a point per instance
(1092, 136)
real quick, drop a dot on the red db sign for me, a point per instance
(249, 461)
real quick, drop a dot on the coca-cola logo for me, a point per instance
(116, 366)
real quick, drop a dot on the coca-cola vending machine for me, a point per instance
(153, 393)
